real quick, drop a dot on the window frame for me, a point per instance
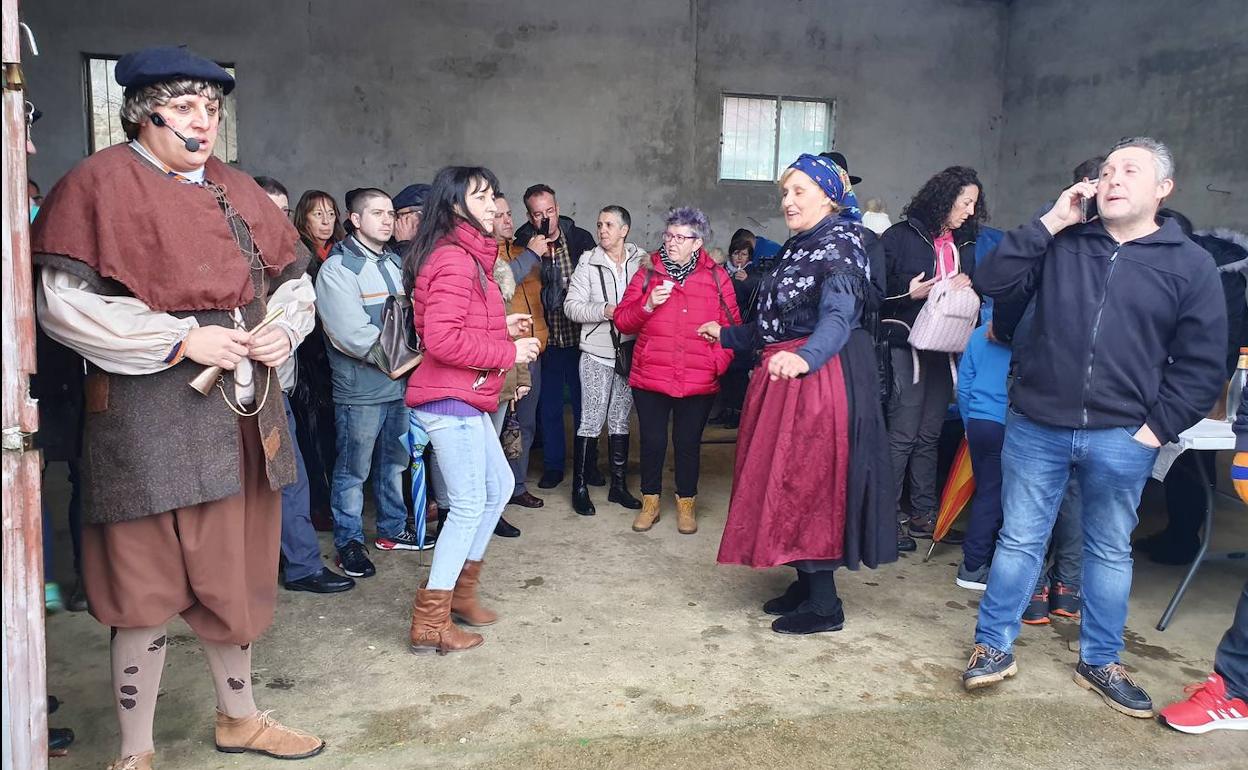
(779, 100)
(88, 108)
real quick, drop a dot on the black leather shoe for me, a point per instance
(324, 582)
(77, 601)
(526, 500)
(1116, 688)
(504, 528)
(550, 479)
(804, 620)
(904, 541)
(59, 738)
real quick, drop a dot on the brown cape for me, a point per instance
(164, 240)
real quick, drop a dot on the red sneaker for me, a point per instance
(1037, 612)
(1207, 709)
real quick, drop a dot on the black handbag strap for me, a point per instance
(615, 334)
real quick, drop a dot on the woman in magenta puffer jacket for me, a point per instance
(675, 372)
(468, 347)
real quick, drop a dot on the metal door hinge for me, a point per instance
(17, 440)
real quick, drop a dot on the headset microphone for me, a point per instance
(192, 145)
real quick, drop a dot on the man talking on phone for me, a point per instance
(560, 244)
(1126, 352)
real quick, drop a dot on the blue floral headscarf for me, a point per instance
(829, 254)
(834, 181)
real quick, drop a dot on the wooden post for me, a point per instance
(25, 701)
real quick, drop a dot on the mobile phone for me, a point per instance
(544, 227)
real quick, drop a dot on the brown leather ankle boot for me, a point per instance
(432, 629)
(648, 516)
(262, 734)
(464, 604)
(686, 518)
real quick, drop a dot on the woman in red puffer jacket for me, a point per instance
(675, 373)
(468, 347)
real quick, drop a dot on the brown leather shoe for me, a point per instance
(686, 519)
(526, 500)
(262, 734)
(464, 605)
(134, 762)
(432, 629)
(648, 516)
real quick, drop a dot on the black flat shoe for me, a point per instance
(550, 480)
(77, 601)
(789, 601)
(325, 582)
(504, 528)
(805, 621)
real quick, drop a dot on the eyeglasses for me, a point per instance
(407, 213)
(678, 238)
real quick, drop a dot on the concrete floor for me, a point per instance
(620, 650)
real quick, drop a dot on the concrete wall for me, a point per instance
(607, 102)
(1082, 74)
(918, 86)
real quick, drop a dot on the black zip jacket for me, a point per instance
(909, 249)
(1124, 334)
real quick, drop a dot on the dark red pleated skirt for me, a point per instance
(792, 468)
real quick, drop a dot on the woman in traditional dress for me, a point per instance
(812, 478)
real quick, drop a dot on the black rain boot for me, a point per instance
(580, 492)
(593, 476)
(821, 612)
(618, 447)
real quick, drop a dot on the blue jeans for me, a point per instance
(478, 484)
(370, 437)
(299, 544)
(1037, 461)
(560, 366)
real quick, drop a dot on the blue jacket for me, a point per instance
(982, 378)
(351, 292)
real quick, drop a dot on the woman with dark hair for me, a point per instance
(319, 224)
(935, 242)
(675, 373)
(468, 344)
(811, 479)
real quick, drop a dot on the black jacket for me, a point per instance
(908, 251)
(579, 240)
(1124, 334)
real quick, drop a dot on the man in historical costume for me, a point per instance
(156, 261)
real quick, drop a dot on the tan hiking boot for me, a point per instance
(648, 516)
(262, 734)
(134, 762)
(432, 629)
(464, 604)
(686, 518)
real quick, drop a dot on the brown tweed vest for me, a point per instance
(151, 443)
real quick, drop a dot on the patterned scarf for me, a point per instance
(834, 180)
(830, 251)
(678, 272)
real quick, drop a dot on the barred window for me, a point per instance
(761, 135)
(103, 103)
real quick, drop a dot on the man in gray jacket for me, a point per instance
(369, 414)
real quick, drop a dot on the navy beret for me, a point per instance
(156, 65)
(412, 195)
